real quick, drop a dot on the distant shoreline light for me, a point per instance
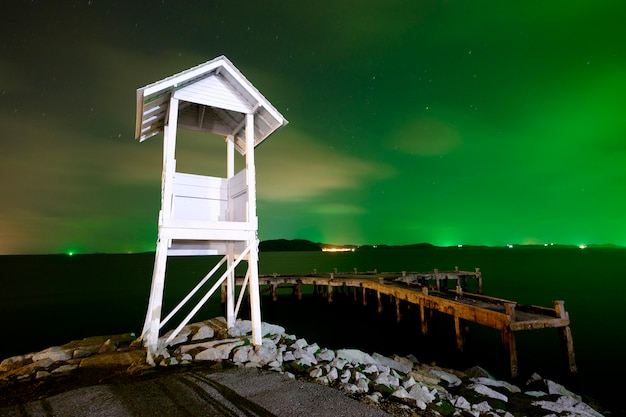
(338, 249)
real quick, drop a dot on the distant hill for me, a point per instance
(284, 245)
(303, 245)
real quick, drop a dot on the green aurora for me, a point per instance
(480, 123)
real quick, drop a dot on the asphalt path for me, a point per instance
(233, 392)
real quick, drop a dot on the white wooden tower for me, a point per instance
(203, 215)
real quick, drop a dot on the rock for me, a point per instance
(113, 359)
(332, 375)
(425, 378)
(363, 385)
(316, 372)
(338, 363)
(15, 362)
(558, 389)
(355, 356)
(107, 346)
(400, 364)
(271, 329)
(421, 395)
(241, 354)
(421, 388)
(345, 376)
(203, 332)
(482, 407)
(451, 379)
(488, 392)
(81, 353)
(210, 354)
(209, 344)
(54, 353)
(325, 355)
(567, 404)
(496, 383)
(265, 353)
(386, 379)
(42, 374)
(462, 403)
(64, 369)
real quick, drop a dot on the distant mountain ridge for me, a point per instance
(303, 245)
(284, 245)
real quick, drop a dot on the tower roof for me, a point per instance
(214, 97)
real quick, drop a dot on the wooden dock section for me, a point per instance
(441, 291)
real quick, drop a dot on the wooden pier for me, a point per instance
(442, 291)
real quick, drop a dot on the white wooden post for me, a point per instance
(230, 281)
(253, 257)
(150, 332)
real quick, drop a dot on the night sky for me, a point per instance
(449, 122)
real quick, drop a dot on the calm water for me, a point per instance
(50, 300)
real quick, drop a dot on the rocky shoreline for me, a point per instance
(401, 386)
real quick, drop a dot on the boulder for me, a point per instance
(355, 356)
(54, 353)
(488, 392)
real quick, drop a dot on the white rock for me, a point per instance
(203, 332)
(54, 353)
(241, 354)
(363, 385)
(401, 393)
(482, 407)
(265, 353)
(80, 353)
(210, 354)
(386, 379)
(8, 363)
(496, 383)
(421, 395)
(312, 349)
(345, 376)
(451, 379)
(568, 404)
(350, 388)
(355, 356)
(299, 344)
(252, 364)
(409, 382)
(404, 366)
(64, 368)
(488, 392)
(42, 374)
(535, 393)
(338, 363)
(332, 375)
(462, 403)
(322, 380)
(316, 372)
(218, 344)
(288, 357)
(382, 369)
(374, 397)
(271, 329)
(370, 369)
(325, 355)
(558, 389)
(306, 358)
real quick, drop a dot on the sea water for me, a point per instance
(51, 299)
